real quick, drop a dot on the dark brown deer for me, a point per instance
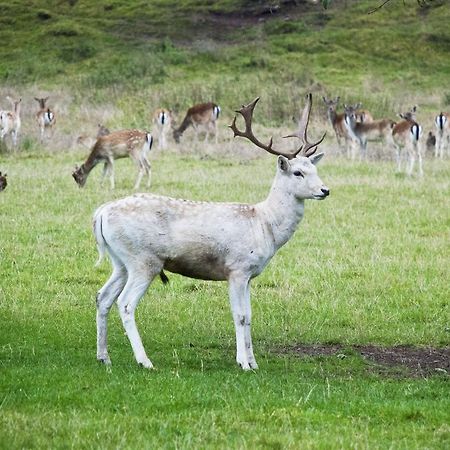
(3, 181)
(201, 116)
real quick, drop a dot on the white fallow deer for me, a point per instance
(406, 134)
(201, 116)
(10, 121)
(45, 117)
(362, 132)
(135, 144)
(337, 121)
(442, 134)
(145, 234)
(162, 119)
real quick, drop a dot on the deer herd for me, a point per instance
(354, 128)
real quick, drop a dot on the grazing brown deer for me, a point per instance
(10, 121)
(135, 144)
(3, 181)
(162, 119)
(203, 115)
(406, 134)
(145, 234)
(45, 117)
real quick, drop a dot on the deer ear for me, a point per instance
(283, 163)
(316, 158)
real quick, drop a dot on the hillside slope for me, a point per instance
(201, 49)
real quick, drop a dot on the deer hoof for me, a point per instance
(104, 360)
(147, 364)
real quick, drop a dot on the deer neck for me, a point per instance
(332, 116)
(351, 126)
(282, 213)
(90, 163)
(185, 124)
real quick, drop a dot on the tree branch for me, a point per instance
(378, 7)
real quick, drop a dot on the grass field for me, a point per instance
(351, 319)
(367, 266)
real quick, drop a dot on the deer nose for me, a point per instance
(325, 192)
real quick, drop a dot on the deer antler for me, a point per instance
(247, 113)
(307, 148)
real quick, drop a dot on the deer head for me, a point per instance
(80, 176)
(297, 174)
(102, 130)
(41, 101)
(410, 115)
(331, 104)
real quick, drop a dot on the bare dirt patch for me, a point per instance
(397, 360)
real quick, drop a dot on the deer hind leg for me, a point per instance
(216, 132)
(14, 137)
(239, 291)
(398, 156)
(419, 159)
(148, 170)
(162, 139)
(105, 299)
(139, 278)
(143, 167)
(437, 145)
(411, 161)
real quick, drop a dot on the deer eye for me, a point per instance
(297, 173)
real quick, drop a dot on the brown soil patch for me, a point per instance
(402, 359)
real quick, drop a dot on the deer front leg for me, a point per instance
(110, 163)
(216, 133)
(135, 287)
(104, 172)
(239, 291)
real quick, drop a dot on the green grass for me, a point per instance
(368, 265)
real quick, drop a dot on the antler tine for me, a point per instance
(308, 148)
(247, 113)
